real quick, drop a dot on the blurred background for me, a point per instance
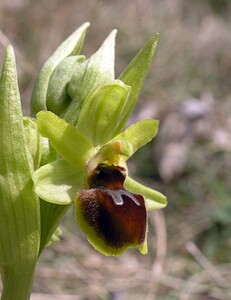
(189, 90)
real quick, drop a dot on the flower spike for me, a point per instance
(111, 208)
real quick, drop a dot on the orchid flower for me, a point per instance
(89, 110)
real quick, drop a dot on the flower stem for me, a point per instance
(17, 282)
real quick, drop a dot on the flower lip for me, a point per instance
(112, 217)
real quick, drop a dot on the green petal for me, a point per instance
(57, 97)
(71, 46)
(139, 134)
(101, 110)
(58, 182)
(97, 70)
(65, 138)
(134, 76)
(153, 199)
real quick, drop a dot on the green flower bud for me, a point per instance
(71, 46)
(57, 96)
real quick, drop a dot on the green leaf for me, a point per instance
(57, 97)
(71, 46)
(101, 110)
(58, 182)
(19, 206)
(97, 70)
(153, 199)
(139, 134)
(65, 138)
(134, 75)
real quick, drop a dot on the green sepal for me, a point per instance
(97, 70)
(71, 46)
(65, 138)
(134, 76)
(139, 134)
(19, 206)
(101, 111)
(153, 199)
(57, 96)
(58, 182)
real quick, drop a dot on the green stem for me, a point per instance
(17, 282)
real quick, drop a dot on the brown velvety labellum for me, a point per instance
(117, 216)
(117, 225)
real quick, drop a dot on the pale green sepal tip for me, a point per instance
(153, 205)
(144, 247)
(65, 138)
(57, 182)
(153, 198)
(139, 133)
